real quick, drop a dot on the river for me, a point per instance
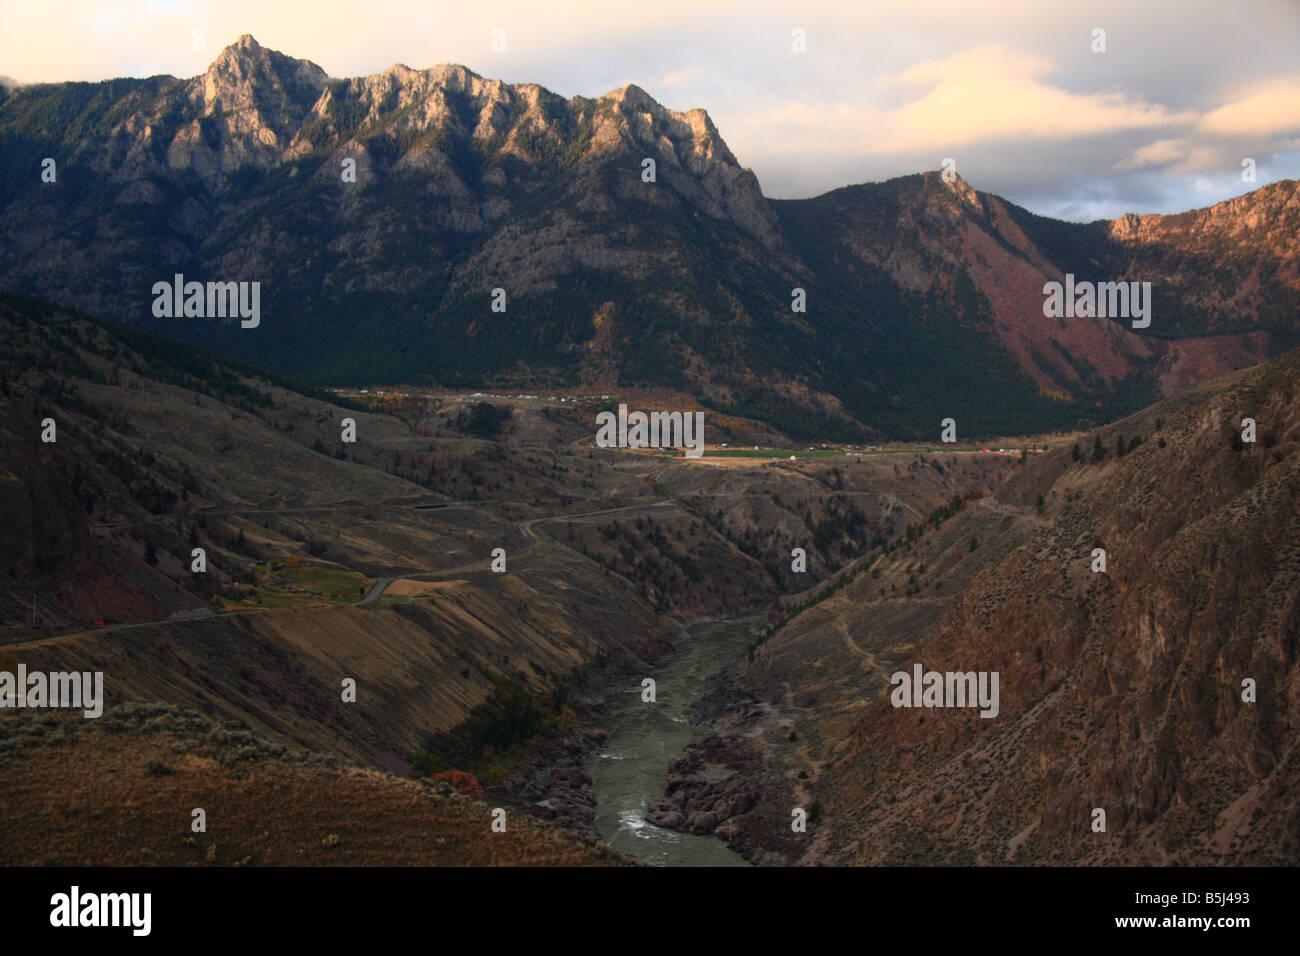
(645, 738)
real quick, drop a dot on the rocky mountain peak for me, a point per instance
(454, 76)
(239, 59)
(650, 123)
(254, 101)
(633, 97)
(466, 182)
(1268, 215)
(963, 191)
(245, 71)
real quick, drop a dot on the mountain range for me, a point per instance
(1123, 689)
(924, 297)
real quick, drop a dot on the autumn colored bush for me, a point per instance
(465, 783)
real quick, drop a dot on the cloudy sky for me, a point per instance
(1014, 92)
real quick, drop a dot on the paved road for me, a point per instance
(376, 591)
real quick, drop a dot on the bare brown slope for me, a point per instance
(1119, 691)
(121, 791)
(420, 668)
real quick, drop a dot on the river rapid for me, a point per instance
(644, 738)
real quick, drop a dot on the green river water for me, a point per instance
(644, 738)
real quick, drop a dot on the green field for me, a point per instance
(332, 583)
(312, 584)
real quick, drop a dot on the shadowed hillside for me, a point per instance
(1119, 690)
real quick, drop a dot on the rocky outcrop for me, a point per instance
(552, 785)
(724, 785)
(702, 794)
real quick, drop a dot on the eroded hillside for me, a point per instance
(205, 536)
(1120, 691)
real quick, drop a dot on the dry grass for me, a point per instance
(122, 791)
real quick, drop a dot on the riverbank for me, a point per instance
(602, 779)
(646, 736)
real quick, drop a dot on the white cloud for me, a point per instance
(984, 94)
(992, 92)
(1262, 121)
(1160, 153)
(1264, 111)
